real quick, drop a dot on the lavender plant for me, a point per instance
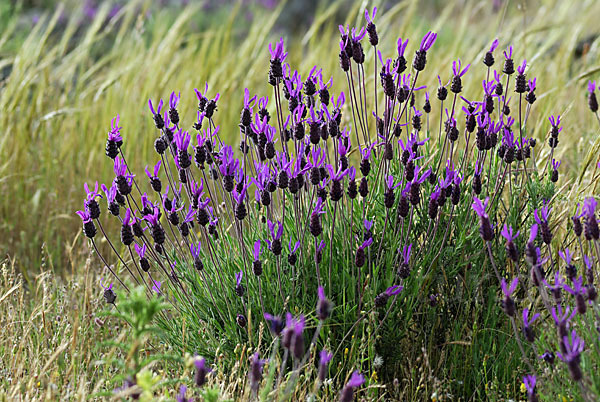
(349, 215)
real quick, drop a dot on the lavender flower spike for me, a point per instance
(527, 330)
(201, 372)
(347, 394)
(508, 302)
(529, 382)
(485, 229)
(324, 306)
(324, 359)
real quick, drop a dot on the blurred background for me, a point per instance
(67, 68)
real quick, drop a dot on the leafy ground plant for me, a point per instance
(341, 225)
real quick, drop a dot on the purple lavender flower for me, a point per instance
(529, 381)
(256, 369)
(554, 174)
(591, 223)
(456, 86)
(181, 396)
(509, 65)
(278, 55)
(527, 330)
(554, 131)
(257, 264)
(508, 303)
(293, 337)
(421, 54)
(561, 318)
(555, 289)
(276, 230)
(521, 68)
(356, 380)
(404, 268)
(567, 257)
(360, 257)
(154, 179)
(382, 298)
(572, 354)
(114, 140)
(239, 288)
(276, 324)
(541, 217)
(109, 294)
(485, 229)
(401, 47)
(156, 287)
(324, 359)
(579, 291)
(202, 370)
(511, 248)
(158, 118)
(488, 59)
(324, 306)
(89, 229)
(592, 100)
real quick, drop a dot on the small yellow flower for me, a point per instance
(345, 352)
(374, 376)
(523, 389)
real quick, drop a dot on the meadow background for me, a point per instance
(67, 69)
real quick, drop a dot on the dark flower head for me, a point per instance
(201, 371)
(324, 359)
(256, 369)
(324, 306)
(276, 324)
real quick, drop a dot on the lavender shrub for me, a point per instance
(354, 204)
